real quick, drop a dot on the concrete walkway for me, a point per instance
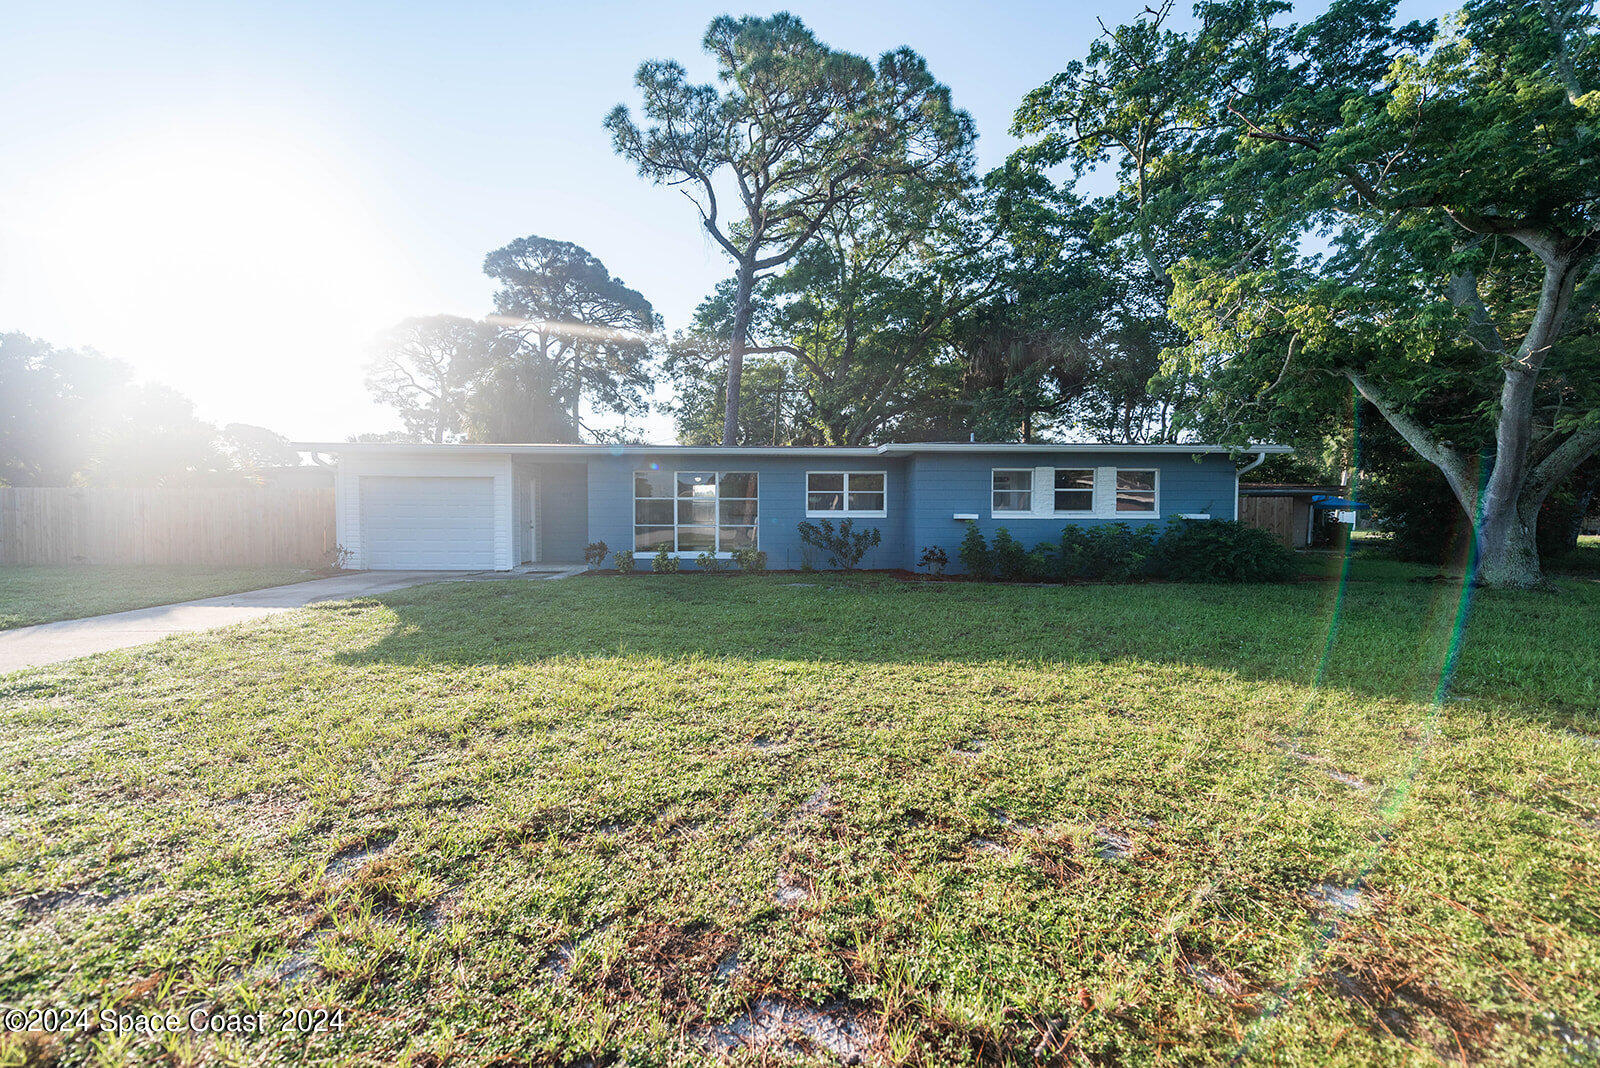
(51, 643)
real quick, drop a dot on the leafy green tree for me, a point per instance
(588, 334)
(427, 369)
(75, 417)
(803, 131)
(1409, 210)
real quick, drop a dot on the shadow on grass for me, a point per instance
(1531, 653)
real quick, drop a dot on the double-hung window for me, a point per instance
(845, 494)
(1013, 491)
(1136, 490)
(1074, 489)
(694, 511)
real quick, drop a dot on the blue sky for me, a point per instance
(233, 197)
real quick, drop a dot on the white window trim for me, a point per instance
(1033, 494)
(846, 513)
(1154, 512)
(1104, 499)
(690, 554)
(1074, 513)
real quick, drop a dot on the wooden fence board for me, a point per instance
(66, 525)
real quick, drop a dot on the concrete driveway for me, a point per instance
(50, 643)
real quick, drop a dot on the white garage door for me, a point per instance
(427, 524)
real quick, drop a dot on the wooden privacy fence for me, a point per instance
(1276, 514)
(49, 525)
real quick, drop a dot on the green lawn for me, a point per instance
(641, 819)
(31, 595)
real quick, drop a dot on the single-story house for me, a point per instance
(495, 507)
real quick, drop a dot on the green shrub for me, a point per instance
(845, 546)
(1112, 552)
(708, 561)
(1044, 563)
(935, 559)
(1009, 558)
(623, 560)
(751, 560)
(974, 553)
(1221, 550)
(594, 554)
(664, 563)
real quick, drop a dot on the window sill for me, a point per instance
(847, 515)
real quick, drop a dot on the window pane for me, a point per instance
(1074, 500)
(1075, 490)
(1075, 478)
(865, 502)
(648, 539)
(740, 512)
(867, 482)
(819, 482)
(1013, 481)
(701, 484)
(652, 484)
(696, 539)
(739, 484)
(825, 502)
(702, 513)
(1136, 491)
(1013, 502)
(653, 513)
(738, 538)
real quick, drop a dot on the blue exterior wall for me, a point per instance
(563, 511)
(924, 492)
(781, 497)
(943, 484)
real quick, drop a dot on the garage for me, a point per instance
(427, 524)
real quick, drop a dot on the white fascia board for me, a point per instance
(1059, 447)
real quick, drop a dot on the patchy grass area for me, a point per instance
(823, 818)
(30, 595)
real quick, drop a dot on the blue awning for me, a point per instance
(1323, 500)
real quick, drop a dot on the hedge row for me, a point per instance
(1212, 550)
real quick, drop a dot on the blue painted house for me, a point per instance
(495, 507)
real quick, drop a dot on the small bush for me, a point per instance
(664, 563)
(623, 560)
(935, 559)
(1112, 552)
(750, 560)
(1221, 550)
(974, 553)
(1044, 563)
(1010, 559)
(337, 558)
(594, 554)
(708, 562)
(845, 546)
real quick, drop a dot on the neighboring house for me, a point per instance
(493, 507)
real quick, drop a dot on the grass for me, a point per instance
(30, 595)
(644, 820)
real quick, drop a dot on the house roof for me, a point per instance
(892, 449)
(1287, 489)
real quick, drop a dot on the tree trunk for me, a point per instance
(1508, 550)
(741, 325)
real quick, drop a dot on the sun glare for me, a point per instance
(237, 265)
